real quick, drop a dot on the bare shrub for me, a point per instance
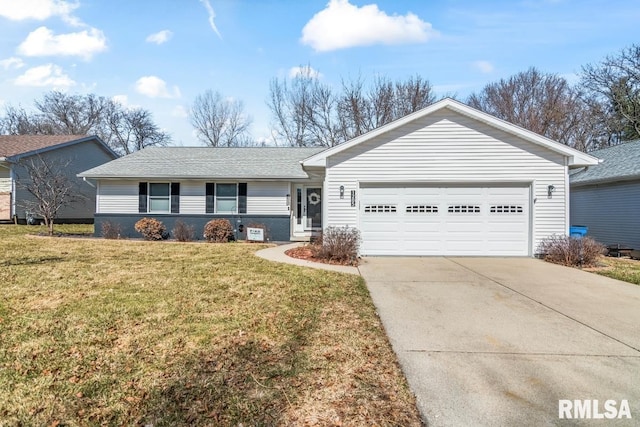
(111, 230)
(151, 229)
(337, 244)
(572, 252)
(183, 232)
(218, 231)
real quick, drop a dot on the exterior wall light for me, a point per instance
(550, 190)
(342, 191)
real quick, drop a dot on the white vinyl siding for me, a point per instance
(263, 198)
(192, 197)
(117, 197)
(448, 147)
(269, 198)
(610, 211)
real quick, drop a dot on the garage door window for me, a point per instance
(422, 209)
(506, 209)
(464, 209)
(380, 208)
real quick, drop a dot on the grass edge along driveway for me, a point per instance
(96, 331)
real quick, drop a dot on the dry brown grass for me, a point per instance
(110, 332)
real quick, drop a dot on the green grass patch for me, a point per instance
(624, 269)
(111, 332)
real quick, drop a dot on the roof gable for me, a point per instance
(14, 147)
(619, 163)
(576, 158)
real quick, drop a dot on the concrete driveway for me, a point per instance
(499, 341)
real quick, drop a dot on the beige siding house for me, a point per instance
(446, 180)
(80, 151)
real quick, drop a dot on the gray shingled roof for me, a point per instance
(619, 163)
(207, 162)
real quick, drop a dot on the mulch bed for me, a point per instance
(305, 253)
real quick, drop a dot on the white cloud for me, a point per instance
(180, 111)
(49, 75)
(40, 10)
(42, 42)
(12, 63)
(485, 67)
(306, 71)
(342, 25)
(160, 37)
(212, 16)
(155, 87)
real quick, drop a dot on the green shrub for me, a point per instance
(572, 252)
(337, 244)
(151, 229)
(183, 232)
(218, 231)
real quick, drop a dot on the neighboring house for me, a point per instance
(82, 151)
(606, 198)
(446, 180)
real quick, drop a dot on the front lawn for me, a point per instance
(624, 269)
(108, 332)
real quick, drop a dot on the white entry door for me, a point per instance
(308, 208)
(454, 220)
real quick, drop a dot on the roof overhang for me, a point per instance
(575, 158)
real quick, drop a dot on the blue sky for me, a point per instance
(160, 54)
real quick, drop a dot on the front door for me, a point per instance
(313, 196)
(308, 208)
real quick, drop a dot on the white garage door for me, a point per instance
(455, 220)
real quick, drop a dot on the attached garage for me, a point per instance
(448, 180)
(445, 220)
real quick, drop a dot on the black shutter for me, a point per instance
(175, 197)
(211, 195)
(142, 197)
(242, 197)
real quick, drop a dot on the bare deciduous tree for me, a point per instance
(307, 112)
(542, 103)
(123, 129)
(132, 129)
(615, 83)
(50, 187)
(220, 122)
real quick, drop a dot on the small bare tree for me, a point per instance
(220, 122)
(50, 187)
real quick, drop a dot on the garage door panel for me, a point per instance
(444, 220)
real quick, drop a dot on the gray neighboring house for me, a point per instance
(83, 151)
(445, 180)
(606, 198)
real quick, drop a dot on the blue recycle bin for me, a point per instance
(578, 231)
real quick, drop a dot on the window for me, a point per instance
(380, 208)
(463, 209)
(506, 209)
(159, 197)
(226, 198)
(422, 209)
